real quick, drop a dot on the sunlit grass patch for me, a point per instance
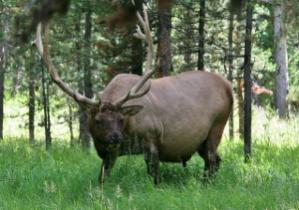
(66, 178)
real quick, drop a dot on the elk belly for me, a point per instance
(179, 150)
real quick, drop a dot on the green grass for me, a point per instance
(66, 178)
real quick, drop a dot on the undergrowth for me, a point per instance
(66, 178)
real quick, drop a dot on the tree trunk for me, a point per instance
(70, 124)
(201, 35)
(240, 106)
(2, 79)
(137, 56)
(164, 44)
(281, 59)
(230, 69)
(83, 130)
(188, 40)
(2, 69)
(247, 81)
(84, 133)
(48, 116)
(240, 99)
(47, 122)
(31, 103)
(82, 116)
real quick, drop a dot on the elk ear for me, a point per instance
(92, 111)
(131, 110)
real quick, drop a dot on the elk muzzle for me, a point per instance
(115, 137)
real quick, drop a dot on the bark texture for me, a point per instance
(2, 79)
(281, 60)
(137, 56)
(230, 69)
(46, 108)
(247, 81)
(164, 44)
(84, 133)
(31, 102)
(201, 35)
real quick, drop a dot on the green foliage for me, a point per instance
(113, 49)
(264, 26)
(66, 178)
(293, 94)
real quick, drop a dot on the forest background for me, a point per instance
(91, 45)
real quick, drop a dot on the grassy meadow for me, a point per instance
(66, 178)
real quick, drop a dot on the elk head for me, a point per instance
(106, 120)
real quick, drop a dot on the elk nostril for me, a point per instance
(116, 137)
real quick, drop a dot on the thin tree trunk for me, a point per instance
(201, 35)
(164, 43)
(2, 79)
(87, 55)
(31, 103)
(47, 122)
(188, 39)
(247, 81)
(281, 59)
(240, 99)
(85, 138)
(44, 106)
(137, 56)
(2, 70)
(83, 130)
(82, 115)
(240, 106)
(49, 143)
(230, 69)
(70, 124)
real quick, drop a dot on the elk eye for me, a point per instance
(121, 119)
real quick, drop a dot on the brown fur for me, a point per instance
(181, 115)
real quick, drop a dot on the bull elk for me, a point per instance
(174, 116)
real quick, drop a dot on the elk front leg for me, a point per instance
(107, 164)
(151, 157)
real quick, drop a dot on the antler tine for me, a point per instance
(43, 48)
(146, 36)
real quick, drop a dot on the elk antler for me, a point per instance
(43, 48)
(135, 92)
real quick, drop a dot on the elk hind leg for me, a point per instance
(208, 151)
(211, 160)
